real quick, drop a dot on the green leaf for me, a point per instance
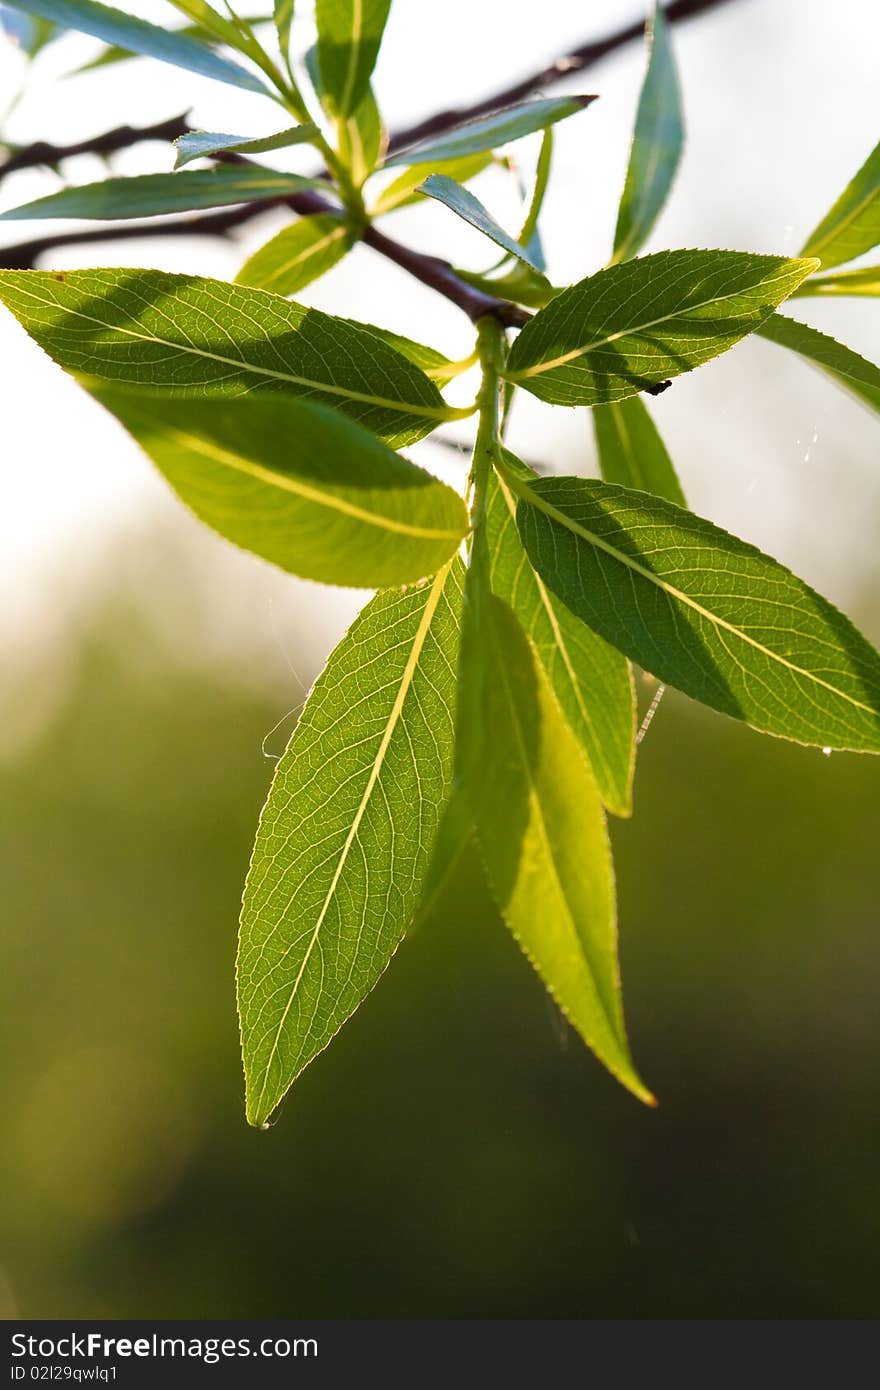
(152, 195)
(115, 27)
(432, 362)
(657, 144)
(854, 373)
(520, 283)
(110, 56)
(450, 844)
(297, 484)
(631, 451)
(635, 325)
(510, 277)
(462, 202)
(704, 611)
(298, 254)
(853, 224)
(404, 190)
(502, 128)
(591, 680)
(850, 282)
(349, 36)
(283, 21)
(541, 832)
(529, 236)
(223, 29)
(206, 337)
(310, 61)
(201, 144)
(30, 35)
(346, 836)
(363, 139)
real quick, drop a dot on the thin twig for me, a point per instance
(121, 138)
(430, 270)
(578, 60)
(439, 275)
(24, 254)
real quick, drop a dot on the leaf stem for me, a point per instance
(491, 347)
(453, 369)
(437, 274)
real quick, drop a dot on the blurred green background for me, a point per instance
(456, 1152)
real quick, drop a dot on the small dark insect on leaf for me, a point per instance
(658, 388)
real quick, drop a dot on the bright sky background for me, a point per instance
(782, 104)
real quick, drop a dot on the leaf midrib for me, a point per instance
(551, 614)
(841, 227)
(288, 484)
(357, 20)
(626, 444)
(540, 367)
(393, 719)
(550, 858)
(426, 411)
(308, 252)
(854, 367)
(641, 197)
(534, 499)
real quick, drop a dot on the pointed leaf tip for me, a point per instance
(636, 324)
(345, 840)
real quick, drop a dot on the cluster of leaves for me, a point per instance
(486, 688)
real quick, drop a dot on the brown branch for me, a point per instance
(578, 60)
(438, 274)
(122, 138)
(24, 254)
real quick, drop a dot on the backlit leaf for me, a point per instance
(462, 202)
(845, 282)
(657, 144)
(346, 836)
(432, 362)
(203, 14)
(349, 36)
(206, 337)
(635, 325)
(283, 21)
(152, 195)
(297, 255)
(529, 236)
(519, 283)
(363, 139)
(297, 484)
(704, 611)
(490, 132)
(137, 36)
(853, 224)
(540, 828)
(450, 843)
(631, 452)
(404, 190)
(590, 680)
(851, 371)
